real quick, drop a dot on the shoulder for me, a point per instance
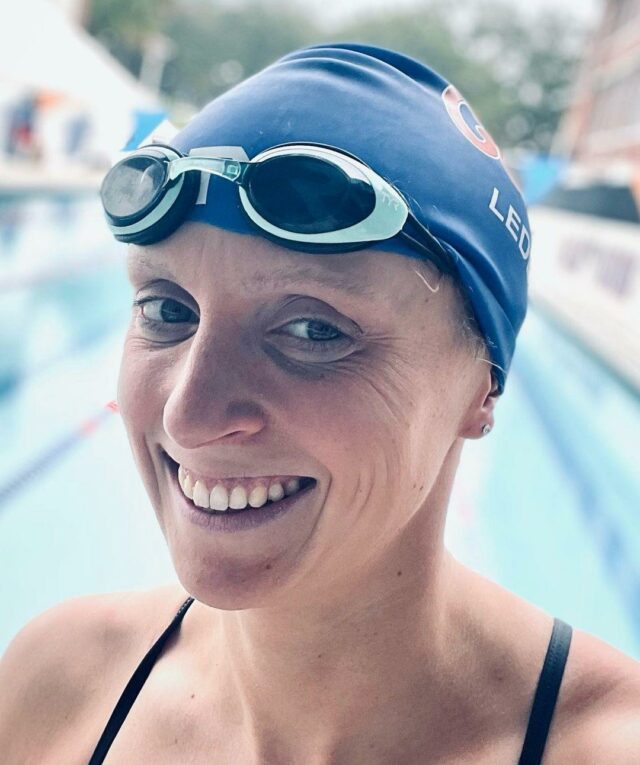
(63, 658)
(604, 724)
(610, 733)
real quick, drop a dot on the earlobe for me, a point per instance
(480, 415)
(487, 412)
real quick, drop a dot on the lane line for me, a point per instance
(47, 459)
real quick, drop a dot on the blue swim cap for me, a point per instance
(412, 127)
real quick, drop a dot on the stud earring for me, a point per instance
(486, 428)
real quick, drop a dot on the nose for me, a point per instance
(216, 395)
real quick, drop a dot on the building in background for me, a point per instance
(585, 267)
(67, 107)
(602, 124)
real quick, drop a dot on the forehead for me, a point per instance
(255, 264)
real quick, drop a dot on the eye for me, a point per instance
(314, 330)
(157, 312)
(312, 335)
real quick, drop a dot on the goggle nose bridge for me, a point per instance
(235, 170)
(231, 169)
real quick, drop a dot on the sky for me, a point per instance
(337, 10)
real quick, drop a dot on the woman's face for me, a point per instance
(264, 361)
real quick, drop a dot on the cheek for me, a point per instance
(363, 425)
(133, 388)
(392, 426)
(139, 396)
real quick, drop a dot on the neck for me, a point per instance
(377, 669)
(383, 662)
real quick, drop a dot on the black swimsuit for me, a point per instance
(544, 701)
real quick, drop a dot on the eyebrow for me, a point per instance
(278, 277)
(143, 262)
(345, 282)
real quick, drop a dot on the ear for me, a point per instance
(480, 411)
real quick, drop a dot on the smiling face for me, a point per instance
(263, 361)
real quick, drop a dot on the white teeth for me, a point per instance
(187, 487)
(200, 495)
(276, 492)
(219, 498)
(291, 486)
(258, 496)
(238, 498)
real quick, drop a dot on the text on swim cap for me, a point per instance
(513, 223)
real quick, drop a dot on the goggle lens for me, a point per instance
(132, 186)
(309, 195)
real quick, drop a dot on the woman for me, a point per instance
(315, 334)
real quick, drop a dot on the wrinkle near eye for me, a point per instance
(388, 384)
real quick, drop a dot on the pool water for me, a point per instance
(546, 505)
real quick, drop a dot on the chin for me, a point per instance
(230, 584)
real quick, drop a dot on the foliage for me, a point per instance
(217, 47)
(514, 67)
(123, 26)
(533, 61)
(430, 36)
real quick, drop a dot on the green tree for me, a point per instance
(533, 61)
(515, 67)
(216, 47)
(124, 26)
(429, 34)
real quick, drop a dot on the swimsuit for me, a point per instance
(537, 729)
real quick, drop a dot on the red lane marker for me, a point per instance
(53, 453)
(88, 426)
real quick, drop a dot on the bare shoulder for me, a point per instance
(611, 727)
(610, 678)
(62, 660)
(610, 733)
(601, 724)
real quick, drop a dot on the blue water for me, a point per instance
(546, 505)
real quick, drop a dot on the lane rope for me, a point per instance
(54, 452)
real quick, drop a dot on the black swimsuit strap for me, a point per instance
(546, 694)
(133, 687)
(535, 738)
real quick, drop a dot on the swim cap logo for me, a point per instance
(460, 111)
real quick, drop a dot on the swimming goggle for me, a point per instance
(309, 197)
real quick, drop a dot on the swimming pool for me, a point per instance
(546, 505)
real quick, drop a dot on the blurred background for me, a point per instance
(549, 504)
